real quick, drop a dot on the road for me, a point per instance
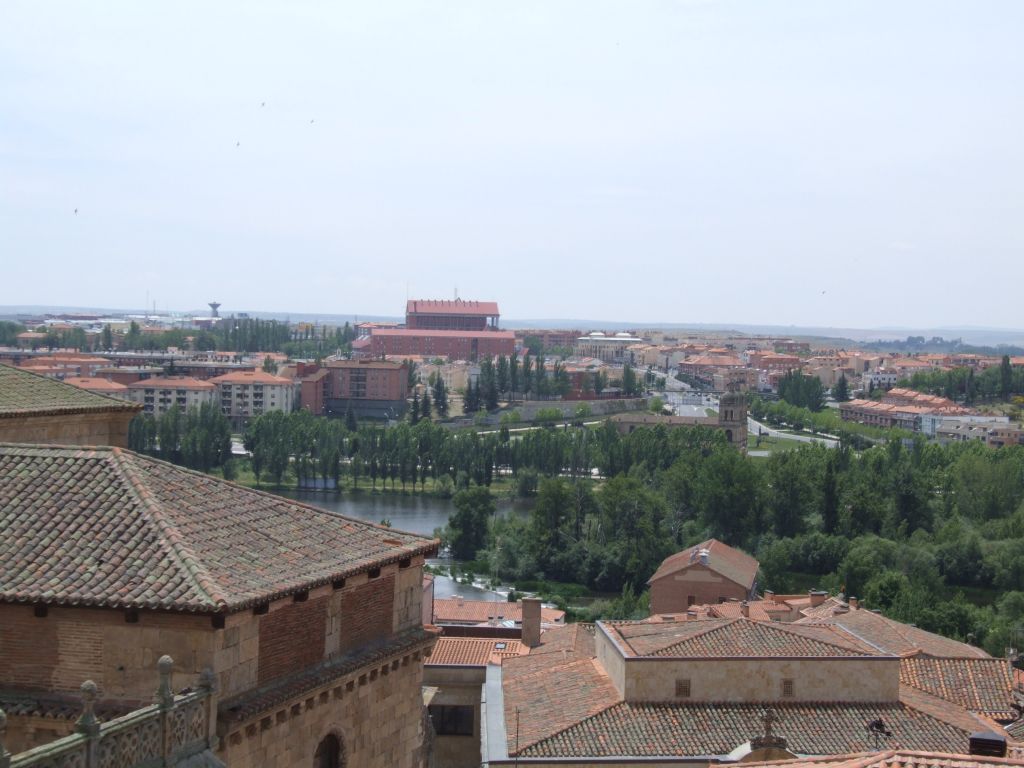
(756, 427)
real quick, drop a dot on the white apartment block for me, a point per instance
(158, 395)
(247, 394)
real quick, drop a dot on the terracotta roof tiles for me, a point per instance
(984, 686)
(108, 527)
(731, 563)
(23, 393)
(474, 651)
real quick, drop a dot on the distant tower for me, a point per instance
(732, 418)
(214, 306)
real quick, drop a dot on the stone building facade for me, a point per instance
(308, 624)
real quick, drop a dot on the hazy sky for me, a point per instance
(828, 163)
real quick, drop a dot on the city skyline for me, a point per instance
(708, 162)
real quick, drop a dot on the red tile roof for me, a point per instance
(173, 382)
(984, 686)
(251, 377)
(678, 730)
(731, 563)
(108, 527)
(474, 651)
(96, 384)
(23, 393)
(895, 637)
(456, 307)
(740, 637)
(892, 758)
(453, 610)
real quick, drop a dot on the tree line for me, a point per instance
(909, 528)
(199, 438)
(1000, 382)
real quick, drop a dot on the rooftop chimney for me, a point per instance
(817, 597)
(988, 744)
(531, 621)
(769, 595)
(745, 609)
(854, 603)
(461, 601)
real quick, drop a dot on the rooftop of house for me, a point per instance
(456, 610)
(474, 651)
(558, 702)
(727, 561)
(737, 637)
(891, 636)
(251, 377)
(109, 527)
(984, 686)
(95, 384)
(894, 758)
(23, 393)
(173, 382)
(451, 307)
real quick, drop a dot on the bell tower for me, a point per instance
(732, 418)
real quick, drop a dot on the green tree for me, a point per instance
(841, 391)
(467, 525)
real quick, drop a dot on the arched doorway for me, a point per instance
(330, 753)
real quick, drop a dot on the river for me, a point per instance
(416, 513)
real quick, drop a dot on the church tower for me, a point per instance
(732, 418)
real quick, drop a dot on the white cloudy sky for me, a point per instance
(767, 161)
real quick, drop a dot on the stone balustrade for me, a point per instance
(173, 731)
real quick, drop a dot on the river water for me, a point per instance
(416, 513)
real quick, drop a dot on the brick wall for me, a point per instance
(367, 613)
(69, 645)
(292, 638)
(671, 593)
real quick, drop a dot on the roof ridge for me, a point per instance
(790, 630)
(170, 537)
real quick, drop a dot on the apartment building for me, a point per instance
(244, 395)
(159, 394)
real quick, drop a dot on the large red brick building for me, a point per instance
(457, 315)
(367, 387)
(450, 345)
(451, 330)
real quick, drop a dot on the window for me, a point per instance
(452, 720)
(683, 688)
(787, 688)
(690, 600)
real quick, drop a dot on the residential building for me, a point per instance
(307, 624)
(39, 409)
(161, 393)
(457, 315)
(100, 386)
(709, 572)
(244, 395)
(375, 388)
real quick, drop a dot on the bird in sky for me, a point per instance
(310, 121)
(76, 211)
(238, 143)
(263, 103)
